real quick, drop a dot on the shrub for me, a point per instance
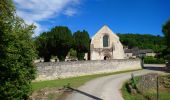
(152, 60)
(16, 54)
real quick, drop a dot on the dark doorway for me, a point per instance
(106, 58)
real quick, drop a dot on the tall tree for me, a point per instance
(61, 41)
(57, 42)
(82, 43)
(166, 31)
(16, 54)
(43, 46)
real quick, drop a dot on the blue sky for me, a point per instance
(122, 16)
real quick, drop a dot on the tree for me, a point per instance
(61, 41)
(72, 54)
(57, 42)
(82, 43)
(16, 54)
(43, 46)
(166, 31)
(143, 41)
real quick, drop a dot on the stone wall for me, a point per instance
(55, 70)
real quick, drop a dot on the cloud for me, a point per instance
(33, 11)
(70, 12)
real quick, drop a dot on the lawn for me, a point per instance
(74, 82)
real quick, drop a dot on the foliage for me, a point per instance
(16, 54)
(82, 43)
(167, 57)
(61, 41)
(133, 81)
(43, 47)
(127, 95)
(80, 55)
(148, 95)
(152, 60)
(166, 31)
(72, 53)
(57, 42)
(145, 41)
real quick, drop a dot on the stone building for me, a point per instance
(136, 52)
(106, 45)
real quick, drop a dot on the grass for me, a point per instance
(74, 81)
(128, 96)
(163, 94)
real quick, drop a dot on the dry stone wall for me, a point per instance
(55, 70)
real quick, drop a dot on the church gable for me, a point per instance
(106, 45)
(104, 38)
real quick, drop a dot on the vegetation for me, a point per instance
(145, 41)
(16, 54)
(57, 42)
(153, 60)
(164, 89)
(82, 43)
(42, 47)
(72, 54)
(61, 41)
(166, 31)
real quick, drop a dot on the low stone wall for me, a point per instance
(55, 70)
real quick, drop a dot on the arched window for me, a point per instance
(105, 41)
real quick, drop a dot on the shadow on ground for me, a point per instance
(163, 69)
(84, 93)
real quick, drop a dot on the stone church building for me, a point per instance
(106, 45)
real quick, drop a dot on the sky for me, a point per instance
(122, 16)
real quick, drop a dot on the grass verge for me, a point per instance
(164, 94)
(74, 81)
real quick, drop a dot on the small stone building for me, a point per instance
(106, 45)
(136, 52)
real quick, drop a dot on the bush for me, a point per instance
(16, 54)
(167, 57)
(152, 60)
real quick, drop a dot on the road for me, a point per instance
(106, 88)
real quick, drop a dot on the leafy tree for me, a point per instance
(82, 43)
(166, 31)
(16, 54)
(72, 54)
(61, 41)
(57, 42)
(43, 47)
(143, 41)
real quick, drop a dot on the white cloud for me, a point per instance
(33, 11)
(70, 12)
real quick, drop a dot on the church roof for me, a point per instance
(106, 29)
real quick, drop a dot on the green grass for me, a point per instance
(74, 81)
(128, 96)
(163, 94)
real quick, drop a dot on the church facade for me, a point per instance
(106, 45)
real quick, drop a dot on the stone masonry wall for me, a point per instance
(55, 70)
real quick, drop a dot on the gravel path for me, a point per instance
(105, 88)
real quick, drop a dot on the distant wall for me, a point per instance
(55, 70)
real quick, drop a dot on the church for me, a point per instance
(106, 45)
